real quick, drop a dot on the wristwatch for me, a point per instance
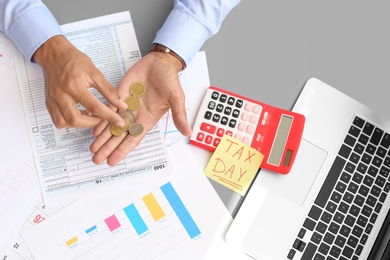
(156, 47)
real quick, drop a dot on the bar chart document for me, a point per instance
(175, 219)
(62, 157)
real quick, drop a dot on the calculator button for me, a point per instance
(244, 116)
(219, 108)
(208, 128)
(246, 140)
(220, 132)
(215, 95)
(208, 115)
(239, 103)
(211, 105)
(248, 106)
(232, 123)
(229, 133)
(236, 113)
(238, 137)
(224, 120)
(216, 141)
(228, 111)
(216, 118)
(200, 137)
(241, 126)
(250, 129)
(257, 109)
(223, 98)
(208, 139)
(231, 101)
(253, 119)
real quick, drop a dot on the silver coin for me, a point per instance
(135, 129)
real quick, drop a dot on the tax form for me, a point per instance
(62, 157)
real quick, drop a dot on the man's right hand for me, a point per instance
(68, 74)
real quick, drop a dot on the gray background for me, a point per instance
(267, 50)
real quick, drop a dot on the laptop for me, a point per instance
(334, 203)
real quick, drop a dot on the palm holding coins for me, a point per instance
(137, 90)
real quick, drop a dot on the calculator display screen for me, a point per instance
(280, 140)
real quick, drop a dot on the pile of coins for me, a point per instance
(137, 90)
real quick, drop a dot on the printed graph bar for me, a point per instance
(112, 223)
(71, 241)
(135, 219)
(153, 206)
(180, 210)
(89, 230)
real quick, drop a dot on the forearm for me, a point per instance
(52, 50)
(28, 23)
(191, 23)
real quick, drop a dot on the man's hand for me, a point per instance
(68, 74)
(159, 73)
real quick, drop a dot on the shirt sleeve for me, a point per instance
(28, 23)
(191, 23)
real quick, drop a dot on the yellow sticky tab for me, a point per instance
(234, 164)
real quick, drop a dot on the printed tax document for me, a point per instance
(178, 217)
(63, 160)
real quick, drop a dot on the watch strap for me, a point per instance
(156, 47)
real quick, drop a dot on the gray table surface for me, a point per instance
(267, 50)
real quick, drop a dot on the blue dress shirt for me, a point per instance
(29, 23)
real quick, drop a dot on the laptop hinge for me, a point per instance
(381, 248)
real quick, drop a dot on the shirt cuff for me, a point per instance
(183, 34)
(28, 40)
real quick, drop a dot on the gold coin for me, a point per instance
(128, 114)
(132, 102)
(116, 130)
(135, 129)
(137, 89)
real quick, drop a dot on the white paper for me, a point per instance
(17, 248)
(64, 162)
(194, 81)
(18, 182)
(64, 235)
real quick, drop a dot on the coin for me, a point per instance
(137, 89)
(135, 129)
(129, 114)
(127, 123)
(116, 130)
(132, 102)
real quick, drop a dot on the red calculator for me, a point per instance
(274, 132)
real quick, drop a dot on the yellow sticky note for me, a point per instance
(234, 164)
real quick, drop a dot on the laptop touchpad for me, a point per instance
(295, 185)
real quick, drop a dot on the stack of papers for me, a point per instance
(101, 212)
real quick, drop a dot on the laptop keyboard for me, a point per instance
(347, 206)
